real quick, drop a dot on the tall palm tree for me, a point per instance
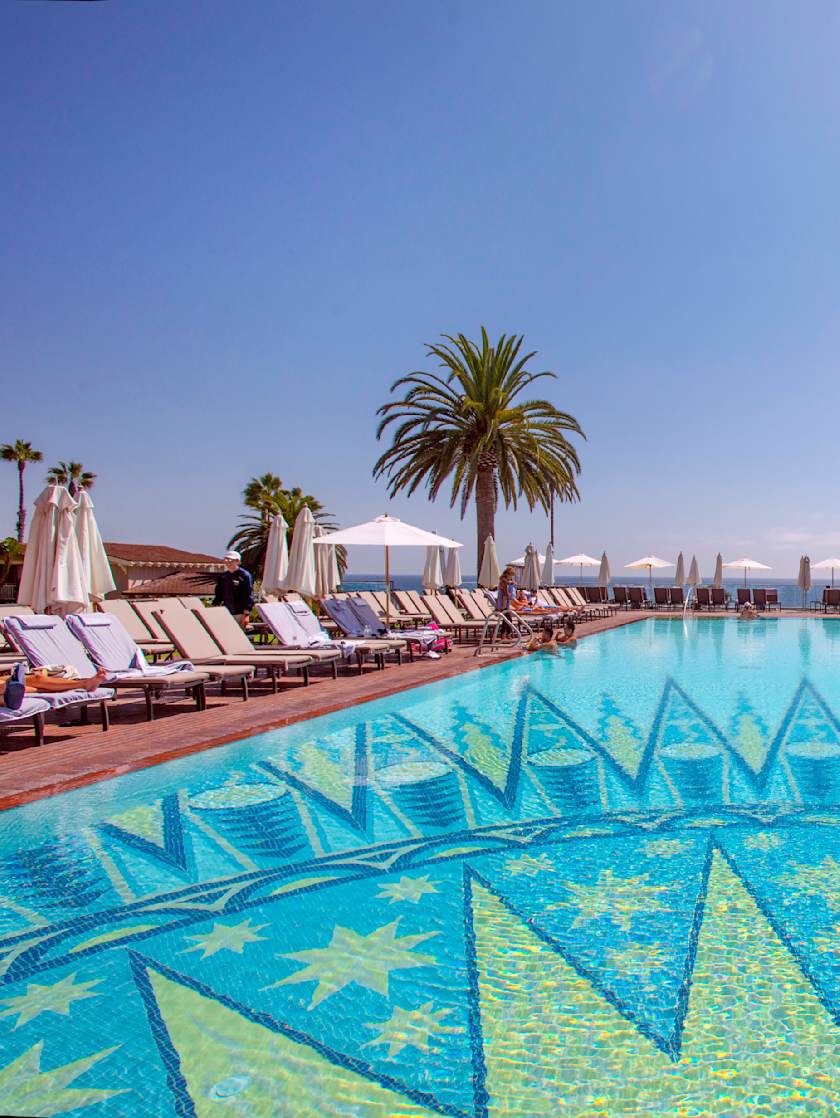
(251, 536)
(265, 494)
(71, 474)
(472, 425)
(21, 453)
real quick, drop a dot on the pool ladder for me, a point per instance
(495, 624)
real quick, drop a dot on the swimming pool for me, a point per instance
(606, 883)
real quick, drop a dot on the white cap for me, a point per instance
(234, 555)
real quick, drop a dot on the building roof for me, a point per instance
(179, 582)
(157, 555)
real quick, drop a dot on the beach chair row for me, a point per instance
(830, 600)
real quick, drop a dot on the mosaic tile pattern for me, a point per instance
(473, 915)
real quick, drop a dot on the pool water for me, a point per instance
(601, 883)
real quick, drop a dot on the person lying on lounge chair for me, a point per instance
(523, 604)
(40, 681)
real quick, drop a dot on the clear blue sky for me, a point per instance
(227, 227)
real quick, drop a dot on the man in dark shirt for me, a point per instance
(235, 588)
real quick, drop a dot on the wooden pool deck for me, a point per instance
(74, 755)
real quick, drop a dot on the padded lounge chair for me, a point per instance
(297, 629)
(660, 598)
(408, 607)
(226, 632)
(137, 628)
(444, 613)
(147, 609)
(718, 597)
(33, 707)
(773, 599)
(194, 642)
(101, 639)
(636, 597)
(744, 596)
(759, 598)
(620, 599)
(347, 617)
(677, 597)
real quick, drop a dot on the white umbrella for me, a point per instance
(387, 531)
(36, 575)
(804, 580)
(301, 573)
(648, 563)
(276, 565)
(520, 562)
(96, 570)
(326, 568)
(581, 561)
(717, 581)
(679, 573)
(490, 571)
(68, 592)
(748, 565)
(531, 570)
(827, 564)
(548, 566)
(452, 572)
(433, 570)
(694, 576)
(604, 570)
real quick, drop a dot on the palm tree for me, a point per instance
(265, 494)
(251, 536)
(71, 474)
(20, 453)
(11, 551)
(472, 425)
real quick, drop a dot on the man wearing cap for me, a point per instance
(235, 588)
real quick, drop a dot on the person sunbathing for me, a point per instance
(39, 681)
(523, 604)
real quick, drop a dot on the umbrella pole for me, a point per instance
(387, 590)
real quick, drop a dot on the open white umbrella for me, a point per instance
(804, 580)
(580, 561)
(548, 566)
(831, 564)
(432, 570)
(490, 571)
(276, 566)
(679, 573)
(748, 565)
(530, 579)
(96, 570)
(326, 568)
(717, 581)
(386, 531)
(648, 563)
(301, 573)
(452, 571)
(36, 575)
(694, 576)
(604, 570)
(520, 562)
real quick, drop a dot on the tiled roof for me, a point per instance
(179, 582)
(146, 554)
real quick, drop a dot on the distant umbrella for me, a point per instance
(490, 570)
(748, 565)
(276, 565)
(827, 564)
(679, 573)
(548, 566)
(649, 563)
(98, 576)
(582, 560)
(432, 571)
(452, 573)
(694, 576)
(604, 570)
(301, 573)
(717, 581)
(804, 580)
(326, 568)
(530, 579)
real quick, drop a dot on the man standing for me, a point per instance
(235, 588)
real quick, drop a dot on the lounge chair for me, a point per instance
(137, 628)
(148, 607)
(343, 613)
(620, 599)
(660, 598)
(759, 598)
(296, 627)
(101, 639)
(194, 643)
(444, 613)
(744, 596)
(424, 637)
(377, 603)
(832, 598)
(718, 597)
(408, 607)
(677, 597)
(471, 606)
(636, 597)
(33, 707)
(191, 601)
(773, 599)
(227, 633)
(702, 598)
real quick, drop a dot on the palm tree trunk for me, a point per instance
(21, 517)
(485, 510)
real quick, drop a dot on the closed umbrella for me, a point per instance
(679, 573)
(433, 569)
(35, 577)
(326, 568)
(96, 570)
(531, 570)
(804, 580)
(386, 531)
(490, 571)
(748, 565)
(68, 593)
(452, 572)
(301, 573)
(827, 564)
(548, 566)
(717, 581)
(648, 563)
(276, 566)
(604, 570)
(581, 561)
(694, 576)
